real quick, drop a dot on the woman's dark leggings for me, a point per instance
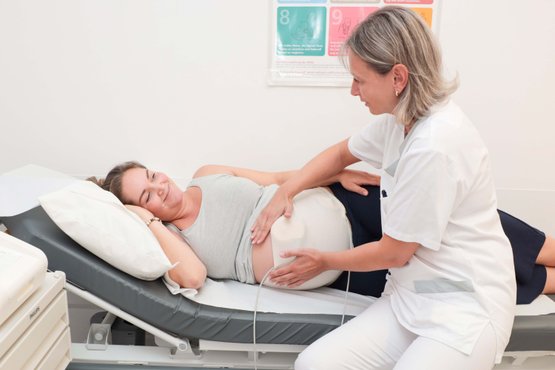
(364, 215)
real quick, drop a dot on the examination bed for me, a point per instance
(152, 303)
(197, 327)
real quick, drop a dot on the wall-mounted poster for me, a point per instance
(307, 36)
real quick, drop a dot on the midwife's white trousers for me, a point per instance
(375, 340)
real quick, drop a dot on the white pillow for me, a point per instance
(97, 220)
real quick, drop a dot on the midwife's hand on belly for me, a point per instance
(308, 263)
(280, 205)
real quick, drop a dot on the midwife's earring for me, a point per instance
(396, 93)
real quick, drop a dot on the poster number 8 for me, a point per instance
(284, 17)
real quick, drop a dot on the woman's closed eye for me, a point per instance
(151, 176)
(152, 180)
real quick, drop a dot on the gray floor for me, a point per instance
(539, 363)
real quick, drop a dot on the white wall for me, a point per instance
(177, 84)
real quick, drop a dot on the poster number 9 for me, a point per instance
(336, 16)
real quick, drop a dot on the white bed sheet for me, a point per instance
(241, 296)
(542, 305)
(21, 188)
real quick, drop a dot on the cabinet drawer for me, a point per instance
(34, 344)
(58, 356)
(30, 311)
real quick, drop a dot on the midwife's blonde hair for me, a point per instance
(397, 35)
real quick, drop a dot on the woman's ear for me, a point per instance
(400, 78)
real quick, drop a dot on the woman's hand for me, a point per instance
(280, 205)
(353, 180)
(308, 263)
(143, 213)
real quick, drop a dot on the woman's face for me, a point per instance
(373, 89)
(152, 190)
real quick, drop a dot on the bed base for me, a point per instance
(171, 351)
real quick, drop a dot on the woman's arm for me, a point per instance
(326, 165)
(350, 179)
(380, 255)
(189, 272)
(260, 177)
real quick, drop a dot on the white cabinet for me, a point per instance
(36, 335)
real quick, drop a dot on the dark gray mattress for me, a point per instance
(151, 302)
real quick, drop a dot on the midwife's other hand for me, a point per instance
(308, 263)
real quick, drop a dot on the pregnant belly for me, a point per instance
(318, 221)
